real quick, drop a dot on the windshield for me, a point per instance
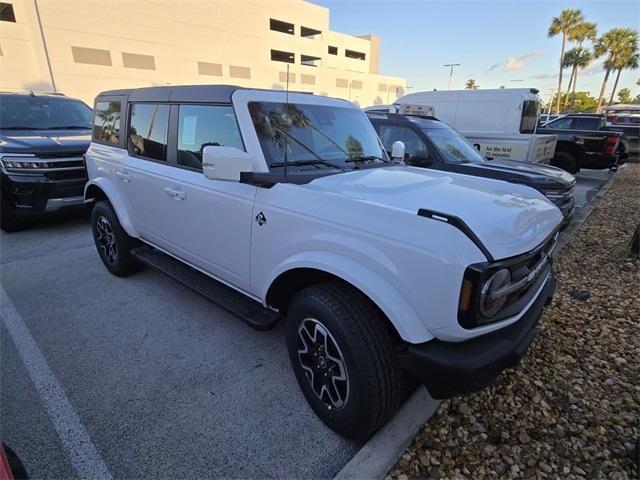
(26, 112)
(315, 136)
(452, 146)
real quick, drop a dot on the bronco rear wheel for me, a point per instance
(112, 242)
(343, 359)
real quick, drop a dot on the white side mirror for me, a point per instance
(397, 151)
(225, 163)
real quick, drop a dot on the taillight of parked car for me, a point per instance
(612, 144)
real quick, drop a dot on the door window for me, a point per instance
(529, 119)
(561, 123)
(586, 123)
(106, 122)
(148, 130)
(200, 126)
(393, 133)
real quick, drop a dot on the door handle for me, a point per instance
(124, 176)
(175, 193)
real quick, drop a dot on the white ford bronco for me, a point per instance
(281, 205)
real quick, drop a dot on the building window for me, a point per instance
(356, 84)
(239, 72)
(148, 130)
(342, 83)
(6, 12)
(309, 61)
(307, 32)
(280, 26)
(382, 87)
(200, 126)
(283, 77)
(333, 50)
(354, 54)
(307, 79)
(213, 69)
(92, 56)
(106, 122)
(135, 60)
(280, 56)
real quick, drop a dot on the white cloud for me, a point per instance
(517, 63)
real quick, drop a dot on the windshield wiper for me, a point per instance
(20, 127)
(367, 158)
(68, 127)
(307, 162)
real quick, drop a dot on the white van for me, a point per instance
(499, 122)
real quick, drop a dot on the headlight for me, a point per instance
(22, 164)
(491, 298)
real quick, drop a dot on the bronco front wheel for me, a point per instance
(343, 359)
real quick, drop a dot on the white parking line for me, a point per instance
(74, 437)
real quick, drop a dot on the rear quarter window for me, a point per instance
(106, 122)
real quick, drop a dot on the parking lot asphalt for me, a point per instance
(164, 383)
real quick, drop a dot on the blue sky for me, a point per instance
(495, 41)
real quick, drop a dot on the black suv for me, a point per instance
(42, 142)
(430, 143)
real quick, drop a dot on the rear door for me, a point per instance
(145, 169)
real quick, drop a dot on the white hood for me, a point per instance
(509, 219)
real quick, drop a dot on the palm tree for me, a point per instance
(471, 84)
(627, 61)
(577, 58)
(565, 24)
(624, 95)
(617, 44)
(582, 32)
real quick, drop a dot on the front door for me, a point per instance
(211, 220)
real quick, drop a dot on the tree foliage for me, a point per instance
(471, 84)
(624, 95)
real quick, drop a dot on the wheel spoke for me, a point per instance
(323, 363)
(106, 240)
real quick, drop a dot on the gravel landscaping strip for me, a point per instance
(571, 409)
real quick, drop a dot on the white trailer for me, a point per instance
(500, 122)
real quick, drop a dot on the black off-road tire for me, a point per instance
(376, 385)
(8, 220)
(565, 161)
(108, 233)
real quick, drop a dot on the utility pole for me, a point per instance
(451, 65)
(44, 47)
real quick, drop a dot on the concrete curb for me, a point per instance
(381, 452)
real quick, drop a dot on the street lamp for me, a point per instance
(451, 65)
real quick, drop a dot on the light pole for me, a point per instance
(451, 65)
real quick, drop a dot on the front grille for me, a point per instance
(560, 197)
(48, 155)
(58, 166)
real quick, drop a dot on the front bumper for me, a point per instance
(36, 196)
(448, 369)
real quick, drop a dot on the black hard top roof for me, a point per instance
(396, 117)
(177, 93)
(182, 93)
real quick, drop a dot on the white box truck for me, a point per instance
(500, 122)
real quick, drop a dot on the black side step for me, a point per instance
(249, 310)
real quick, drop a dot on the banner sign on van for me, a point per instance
(504, 151)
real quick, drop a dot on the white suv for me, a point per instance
(279, 205)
